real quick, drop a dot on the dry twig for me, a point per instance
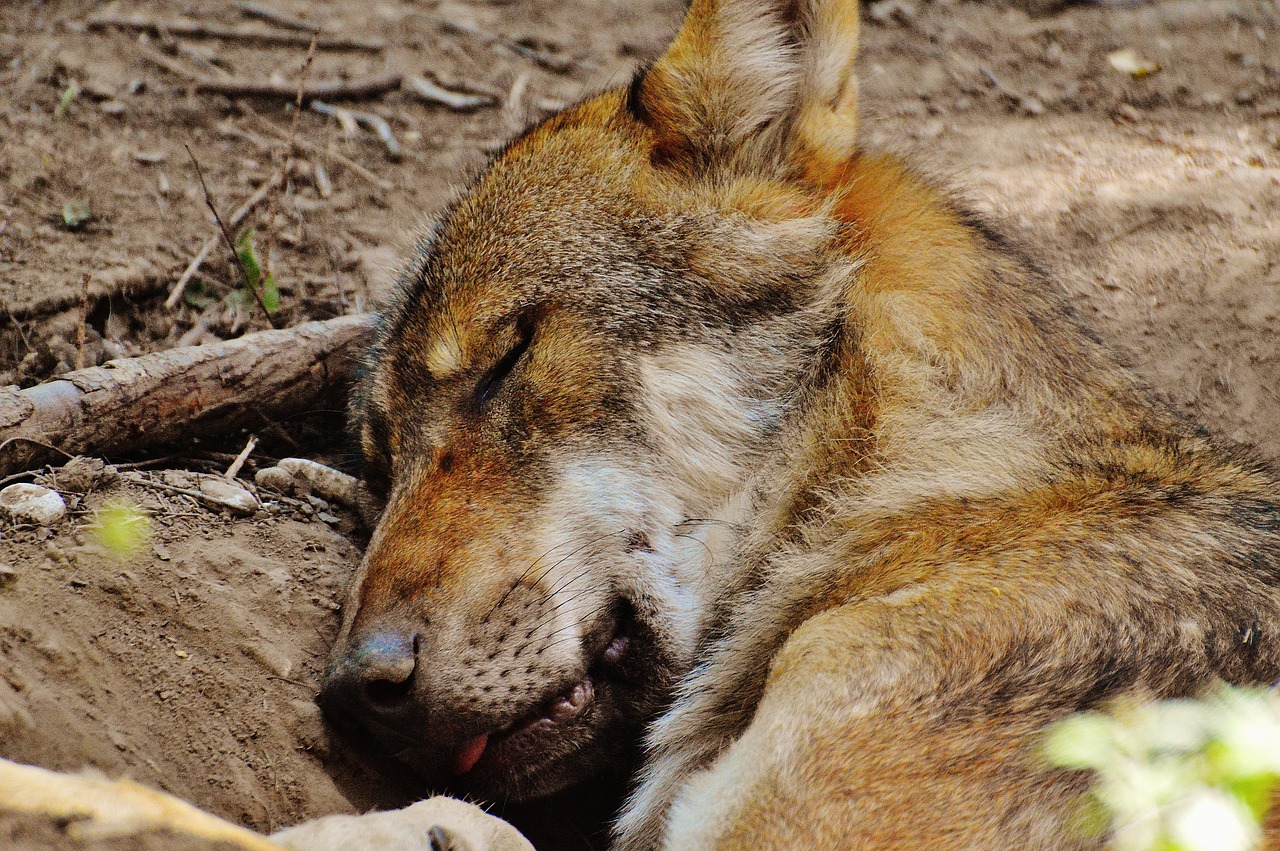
(257, 10)
(234, 469)
(357, 88)
(374, 122)
(434, 93)
(194, 29)
(169, 64)
(551, 61)
(82, 329)
(286, 161)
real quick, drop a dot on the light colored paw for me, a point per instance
(436, 824)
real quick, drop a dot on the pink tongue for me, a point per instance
(469, 754)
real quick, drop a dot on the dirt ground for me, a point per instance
(192, 666)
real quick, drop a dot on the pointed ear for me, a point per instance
(746, 79)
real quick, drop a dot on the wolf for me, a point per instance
(698, 425)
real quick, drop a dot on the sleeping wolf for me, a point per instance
(694, 420)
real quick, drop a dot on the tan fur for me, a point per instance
(867, 505)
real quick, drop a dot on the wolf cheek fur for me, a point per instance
(694, 415)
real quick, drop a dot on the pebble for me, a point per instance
(26, 503)
(82, 474)
(8, 575)
(228, 495)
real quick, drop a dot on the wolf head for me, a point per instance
(591, 357)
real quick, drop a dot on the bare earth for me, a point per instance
(191, 667)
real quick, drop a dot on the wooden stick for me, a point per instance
(373, 121)
(193, 29)
(434, 93)
(234, 469)
(360, 87)
(181, 393)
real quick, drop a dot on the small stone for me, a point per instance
(1244, 97)
(228, 495)
(82, 474)
(8, 576)
(1032, 105)
(26, 503)
(328, 518)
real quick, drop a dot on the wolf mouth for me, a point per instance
(566, 721)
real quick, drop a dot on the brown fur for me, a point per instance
(685, 366)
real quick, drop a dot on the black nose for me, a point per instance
(373, 680)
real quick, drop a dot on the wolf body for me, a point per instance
(695, 419)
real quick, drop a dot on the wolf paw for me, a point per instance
(447, 824)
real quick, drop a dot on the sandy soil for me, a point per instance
(1156, 201)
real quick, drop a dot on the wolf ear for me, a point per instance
(746, 79)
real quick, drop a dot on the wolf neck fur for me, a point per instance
(929, 374)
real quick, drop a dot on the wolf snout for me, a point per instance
(371, 684)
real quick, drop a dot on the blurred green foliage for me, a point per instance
(1177, 775)
(121, 529)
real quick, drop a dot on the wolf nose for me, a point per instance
(374, 679)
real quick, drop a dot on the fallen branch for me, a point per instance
(360, 87)
(181, 393)
(192, 29)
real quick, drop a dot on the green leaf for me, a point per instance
(248, 258)
(270, 294)
(69, 94)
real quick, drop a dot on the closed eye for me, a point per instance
(492, 381)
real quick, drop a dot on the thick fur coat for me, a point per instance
(694, 421)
